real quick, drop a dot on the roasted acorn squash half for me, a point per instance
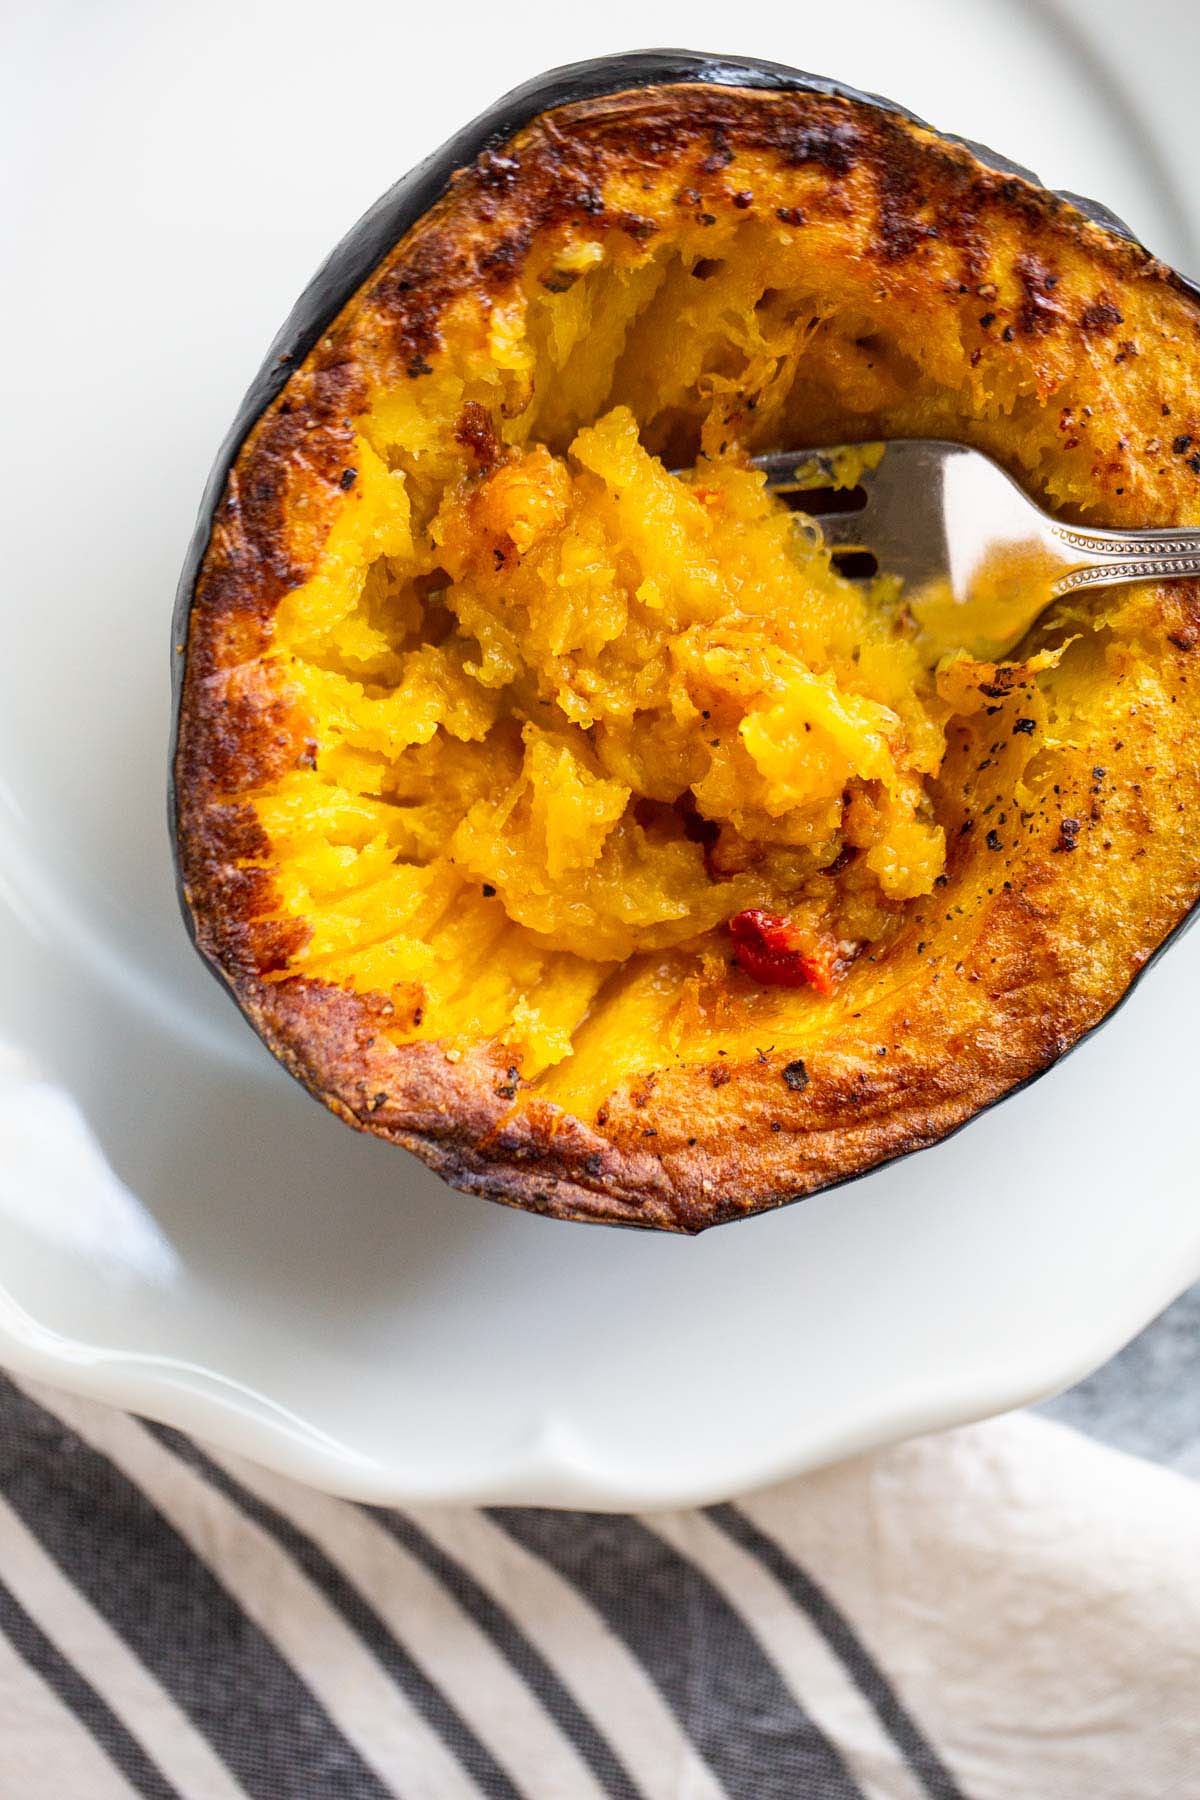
(573, 823)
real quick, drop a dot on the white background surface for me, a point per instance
(245, 1265)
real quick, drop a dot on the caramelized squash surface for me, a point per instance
(492, 725)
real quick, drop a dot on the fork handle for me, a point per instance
(1110, 558)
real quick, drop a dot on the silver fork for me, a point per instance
(940, 513)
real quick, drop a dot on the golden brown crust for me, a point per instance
(991, 1002)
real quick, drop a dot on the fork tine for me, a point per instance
(858, 566)
(797, 471)
(843, 531)
(793, 473)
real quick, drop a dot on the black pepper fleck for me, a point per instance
(795, 1076)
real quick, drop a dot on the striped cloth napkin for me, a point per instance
(1004, 1611)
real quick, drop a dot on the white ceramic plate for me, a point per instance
(233, 1259)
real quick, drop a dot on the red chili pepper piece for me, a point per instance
(773, 950)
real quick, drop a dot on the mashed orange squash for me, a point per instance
(589, 709)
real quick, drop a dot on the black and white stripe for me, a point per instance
(48, 1751)
(213, 1631)
(488, 1715)
(696, 1646)
(600, 1670)
(585, 1733)
(349, 1599)
(84, 1640)
(903, 1732)
(80, 1697)
(281, 1684)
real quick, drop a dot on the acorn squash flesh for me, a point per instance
(550, 802)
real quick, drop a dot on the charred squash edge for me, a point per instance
(572, 1178)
